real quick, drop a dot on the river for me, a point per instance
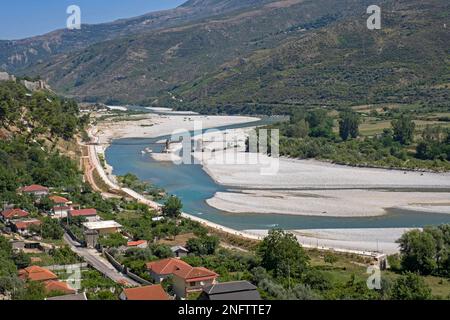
(193, 186)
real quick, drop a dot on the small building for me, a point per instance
(70, 297)
(141, 244)
(61, 212)
(103, 227)
(35, 190)
(23, 227)
(91, 238)
(153, 292)
(54, 286)
(59, 201)
(234, 290)
(179, 251)
(161, 269)
(192, 280)
(36, 273)
(13, 214)
(90, 214)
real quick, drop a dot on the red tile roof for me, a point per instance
(14, 213)
(58, 286)
(83, 213)
(167, 266)
(58, 199)
(196, 274)
(136, 243)
(155, 292)
(35, 273)
(23, 225)
(34, 188)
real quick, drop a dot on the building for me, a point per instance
(103, 227)
(36, 190)
(23, 226)
(70, 297)
(13, 214)
(161, 269)
(179, 251)
(235, 290)
(89, 214)
(192, 280)
(141, 244)
(48, 278)
(58, 287)
(154, 292)
(35, 273)
(61, 212)
(59, 201)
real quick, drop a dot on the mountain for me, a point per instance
(17, 55)
(274, 54)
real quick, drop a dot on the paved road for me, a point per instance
(94, 258)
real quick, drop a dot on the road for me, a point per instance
(99, 263)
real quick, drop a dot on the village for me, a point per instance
(84, 230)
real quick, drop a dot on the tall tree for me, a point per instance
(281, 253)
(172, 207)
(349, 125)
(404, 129)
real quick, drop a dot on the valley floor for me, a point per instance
(298, 187)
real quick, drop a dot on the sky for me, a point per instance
(25, 18)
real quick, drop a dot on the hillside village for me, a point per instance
(24, 232)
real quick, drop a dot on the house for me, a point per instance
(153, 292)
(161, 269)
(179, 251)
(48, 278)
(142, 244)
(58, 287)
(13, 214)
(191, 280)
(59, 201)
(35, 273)
(61, 212)
(36, 190)
(235, 290)
(23, 227)
(70, 297)
(103, 227)
(90, 214)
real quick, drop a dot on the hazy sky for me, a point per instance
(25, 18)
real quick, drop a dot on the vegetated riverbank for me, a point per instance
(161, 125)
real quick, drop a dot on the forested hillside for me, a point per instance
(32, 127)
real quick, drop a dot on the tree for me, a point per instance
(51, 229)
(113, 240)
(33, 290)
(427, 251)
(403, 128)
(205, 245)
(21, 260)
(410, 286)
(281, 253)
(349, 125)
(172, 207)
